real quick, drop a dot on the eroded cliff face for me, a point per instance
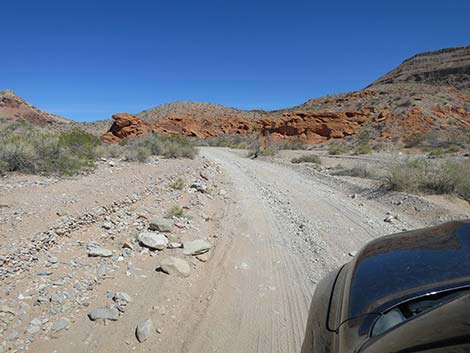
(309, 126)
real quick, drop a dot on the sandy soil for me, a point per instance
(275, 230)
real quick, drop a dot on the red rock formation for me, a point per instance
(310, 126)
(125, 125)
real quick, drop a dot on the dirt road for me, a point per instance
(275, 232)
(286, 231)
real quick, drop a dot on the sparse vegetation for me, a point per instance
(358, 171)
(338, 148)
(423, 176)
(178, 184)
(31, 150)
(362, 148)
(438, 143)
(307, 158)
(168, 146)
(291, 145)
(268, 151)
(175, 211)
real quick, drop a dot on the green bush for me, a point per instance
(31, 150)
(307, 158)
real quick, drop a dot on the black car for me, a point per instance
(406, 292)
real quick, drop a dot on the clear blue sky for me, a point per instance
(89, 59)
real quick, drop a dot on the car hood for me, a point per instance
(401, 266)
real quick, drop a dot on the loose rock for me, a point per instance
(174, 266)
(196, 247)
(104, 314)
(161, 225)
(155, 241)
(96, 251)
(144, 330)
(122, 297)
(60, 325)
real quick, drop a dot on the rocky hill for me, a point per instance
(428, 92)
(194, 110)
(13, 107)
(447, 67)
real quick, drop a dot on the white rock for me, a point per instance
(155, 241)
(96, 251)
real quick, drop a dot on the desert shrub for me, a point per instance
(307, 158)
(178, 184)
(140, 149)
(171, 146)
(362, 149)
(138, 154)
(420, 175)
(291, 145)
(338, 148)
(31, 150)
(110, 151)
(414, 140)
(358, 171)
(175, 211)
(268, 151)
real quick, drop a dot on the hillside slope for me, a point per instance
(446, 67)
